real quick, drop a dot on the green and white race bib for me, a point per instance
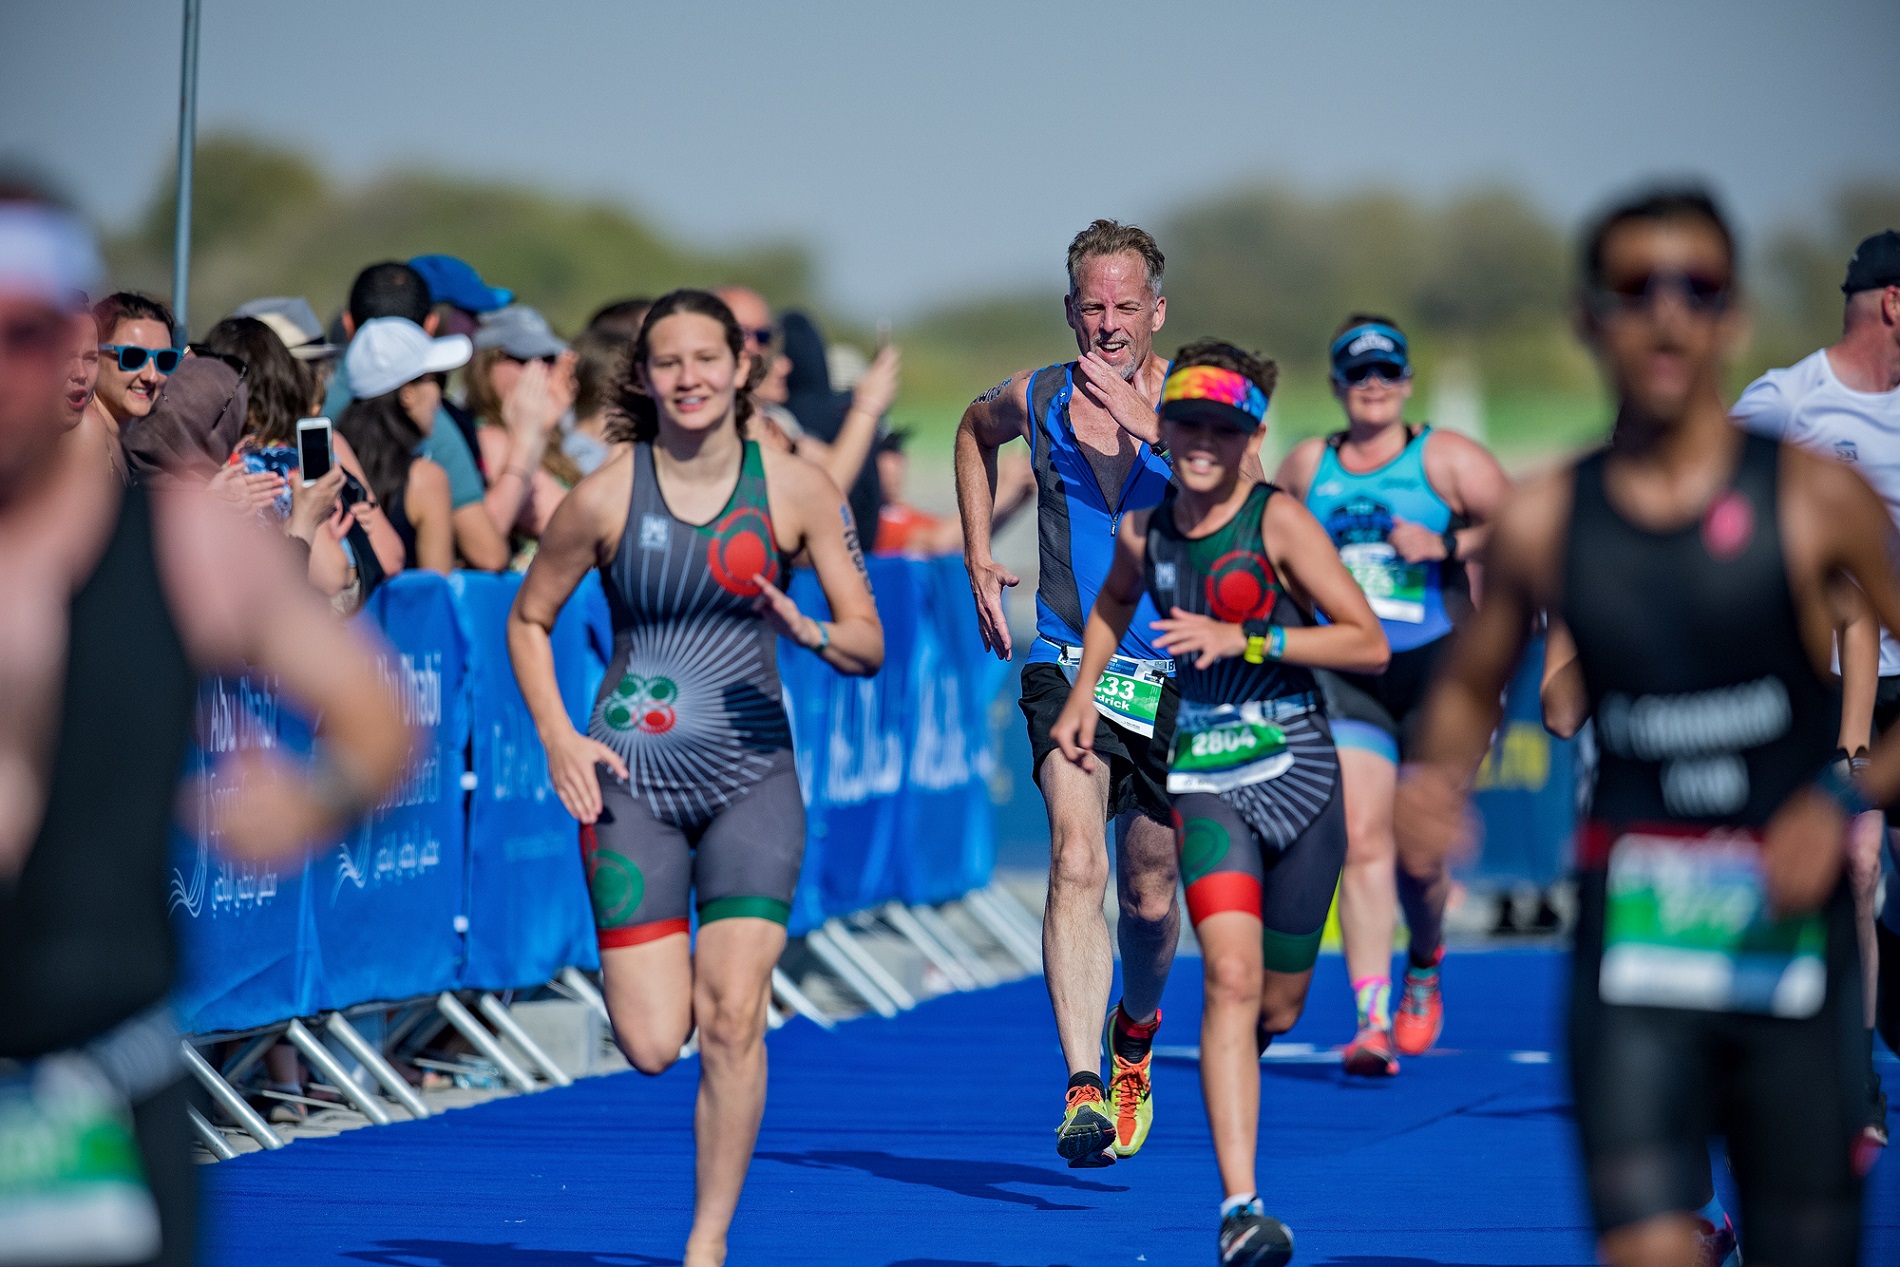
(1688, 925)
(1394, 588)
(1129, 692)
(71, 1185)
(1220, 748)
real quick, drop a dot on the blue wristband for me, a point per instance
(1839, 787)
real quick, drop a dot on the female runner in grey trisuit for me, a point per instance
(692, 526)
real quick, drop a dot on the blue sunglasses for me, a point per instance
(132, 358)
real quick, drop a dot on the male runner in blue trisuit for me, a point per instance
(1091, 429)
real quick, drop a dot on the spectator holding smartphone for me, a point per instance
(397, 372)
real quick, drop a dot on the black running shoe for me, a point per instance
(1250, 1238)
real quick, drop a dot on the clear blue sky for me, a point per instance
(932, 151)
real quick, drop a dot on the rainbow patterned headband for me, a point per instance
(1208, 393)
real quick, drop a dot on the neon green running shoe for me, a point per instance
(1130, 1089)
(1087, 1131)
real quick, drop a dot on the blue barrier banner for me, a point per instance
(895, 767)
(1526, 791)
(240, 925)
(528, 910)
(387, 902)
(446, 887)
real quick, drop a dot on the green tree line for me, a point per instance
(1483, 279)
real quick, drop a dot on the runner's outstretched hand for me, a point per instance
(1802, 850)
(1074, 731)
(571, 762)
(988, 580)
(1185, 634)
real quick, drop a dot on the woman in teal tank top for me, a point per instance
(1407, 508)
(1240, 573)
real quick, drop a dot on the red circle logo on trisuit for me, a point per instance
(740, 549)
(1729, 525)
(1239, 587)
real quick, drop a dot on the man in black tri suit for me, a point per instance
(118, 599)
(1092, 436)
(1701, 573)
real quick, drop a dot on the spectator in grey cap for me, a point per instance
(292, 320)
(519, 385)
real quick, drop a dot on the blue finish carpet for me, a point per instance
(927, 1141)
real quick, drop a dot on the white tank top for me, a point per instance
(1807, 404)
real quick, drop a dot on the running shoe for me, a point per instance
(1086, 1133)
(1873, 1135)
(1421, 1015)
(1130, 1093)
(1718, 1246)
(1251, 1238)
(1369, 1054)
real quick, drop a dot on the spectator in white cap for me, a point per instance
(519, 385)
(397, 372)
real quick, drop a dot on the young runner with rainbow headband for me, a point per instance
(1243, 576)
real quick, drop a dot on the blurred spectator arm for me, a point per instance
(528, 417)
(870, 401)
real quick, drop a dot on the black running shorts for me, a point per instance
(642, 869)
(1652, 1084)
(1137, 764)
(1378, 712)
(1227, 867)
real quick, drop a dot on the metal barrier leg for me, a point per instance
(372, 1060)
(212, 1137)
(1031, 921)
(847, 969)
(576, 983)
(787, 989)
(951, 940)
(898, 916)
(1008, 935)
(249, 1054)
(333, 1072)
(229, 1100)
(502, 1019)
(893, 989)
(483, 1041)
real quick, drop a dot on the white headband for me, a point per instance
(46, 253)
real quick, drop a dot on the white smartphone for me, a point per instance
(315, 453)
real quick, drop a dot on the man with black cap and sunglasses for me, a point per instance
(1701, 572)
(1408, 508)
(1843, 402)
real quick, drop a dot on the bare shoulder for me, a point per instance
(1457, 450)
(428, 477)
(604, 493)
(1287, 512)
(1297, 467)
(803, 482)
(1002, 412)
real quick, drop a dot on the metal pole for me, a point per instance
(372, 1060)
(230, 1101)
(324, 1062)
(483, 1041)
(213, 1137)
(504, 1021)
(187, 142)
(788, 990)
